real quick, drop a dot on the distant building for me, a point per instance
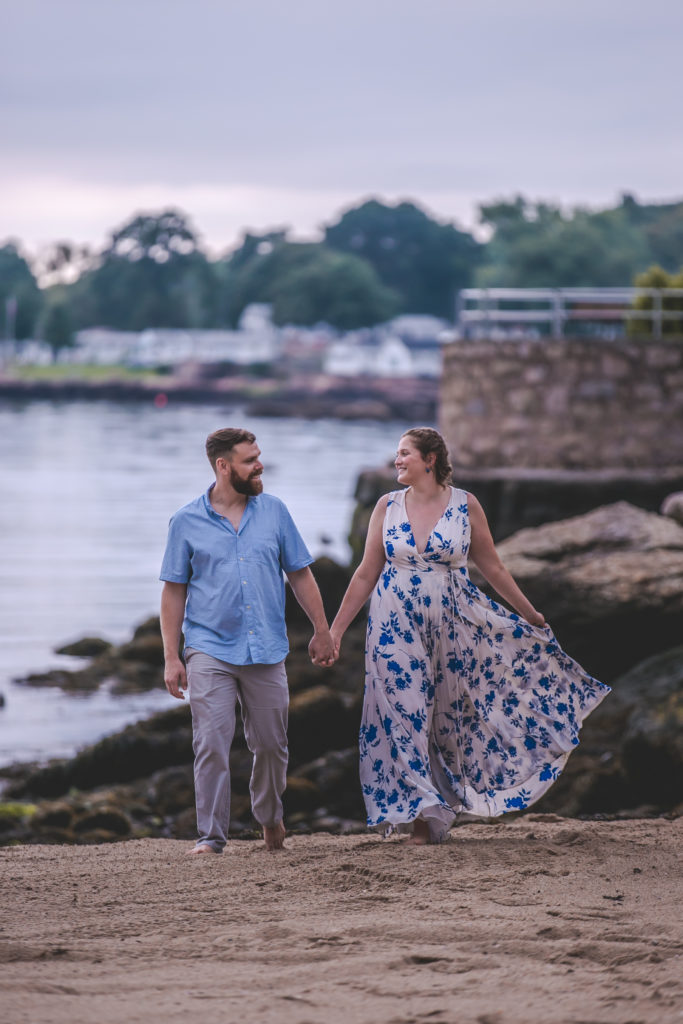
(256, 340)
(408, 346)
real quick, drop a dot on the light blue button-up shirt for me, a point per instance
(235, 607)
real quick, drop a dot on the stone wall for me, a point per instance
(564, 403)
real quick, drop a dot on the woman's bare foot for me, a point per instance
(420, 836)
(274, 836)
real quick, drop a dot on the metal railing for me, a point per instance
(479, 310)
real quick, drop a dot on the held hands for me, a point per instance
(175, 678)
(322, 649)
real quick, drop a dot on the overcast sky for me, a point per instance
(260, 113)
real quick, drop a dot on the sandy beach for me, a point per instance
(541, 919)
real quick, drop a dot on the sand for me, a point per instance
(540, 919)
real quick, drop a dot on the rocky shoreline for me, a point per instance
(307, 396)
(611, 584)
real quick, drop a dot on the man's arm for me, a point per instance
(173, 597)
(305, 590)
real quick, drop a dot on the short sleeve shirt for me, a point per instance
(235, 608)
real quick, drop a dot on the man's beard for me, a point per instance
(251, 486)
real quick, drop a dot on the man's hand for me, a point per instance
(321, 648)
(175, 678)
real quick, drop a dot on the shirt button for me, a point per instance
(251, 630)
(241, 559)
(244, 581)
(248, 606)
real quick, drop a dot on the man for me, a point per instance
(223, 586)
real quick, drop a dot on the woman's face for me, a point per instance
(410, 466)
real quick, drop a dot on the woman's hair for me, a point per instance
(221, 442)
(428, 440)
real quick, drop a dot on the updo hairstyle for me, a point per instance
(428, 440)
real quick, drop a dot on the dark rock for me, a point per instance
(631, 749)
(147, 648)
(301, 795)
(335, 777)
(74, 682)
(88, 647)
(54, 815)
(185, 824)
(95, 836)
(672, 506)
(140, 749)
(171, 790)
(106, 819)
(318, 722)
(652, 747)
(332, 579)
(150, 627)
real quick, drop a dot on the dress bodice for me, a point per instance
(448, 543)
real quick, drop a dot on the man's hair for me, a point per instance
(221, 443)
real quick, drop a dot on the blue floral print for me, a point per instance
(468, 710)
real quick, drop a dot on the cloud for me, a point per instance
(249, 114)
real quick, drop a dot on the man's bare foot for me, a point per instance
(202, 848)
(274, 836)
(420, 836)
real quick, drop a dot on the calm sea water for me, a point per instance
(86, 491)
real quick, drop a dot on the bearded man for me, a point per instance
(224, 588)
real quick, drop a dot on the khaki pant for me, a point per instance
(214, 689)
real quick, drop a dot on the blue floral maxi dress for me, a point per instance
(468, 709)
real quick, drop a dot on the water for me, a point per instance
(86, 491)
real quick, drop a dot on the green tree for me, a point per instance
(306, 284)
(423, 261)
(20, 297)
(152, 274)
(57, 330)
(537, 245)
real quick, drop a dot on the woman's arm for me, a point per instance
(484, 555)
(366, 575)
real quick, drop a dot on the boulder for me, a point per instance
(610, 583)
(319, 721)
(171, 790)
(129, 668)
(105, 820)
(87, 647)
(138, 750)
(147, 648)
(335, 778)
(673, 506)
(631, 749)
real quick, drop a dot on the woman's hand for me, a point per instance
(537, 619)
(336, 641)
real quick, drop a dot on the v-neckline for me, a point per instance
(431, 532)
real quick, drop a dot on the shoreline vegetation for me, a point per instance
(611, 585)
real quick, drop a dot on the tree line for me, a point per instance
(374, 262)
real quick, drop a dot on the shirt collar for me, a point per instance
(251, 499)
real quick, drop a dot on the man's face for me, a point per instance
(245, 468)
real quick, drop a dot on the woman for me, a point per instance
(469, 709)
